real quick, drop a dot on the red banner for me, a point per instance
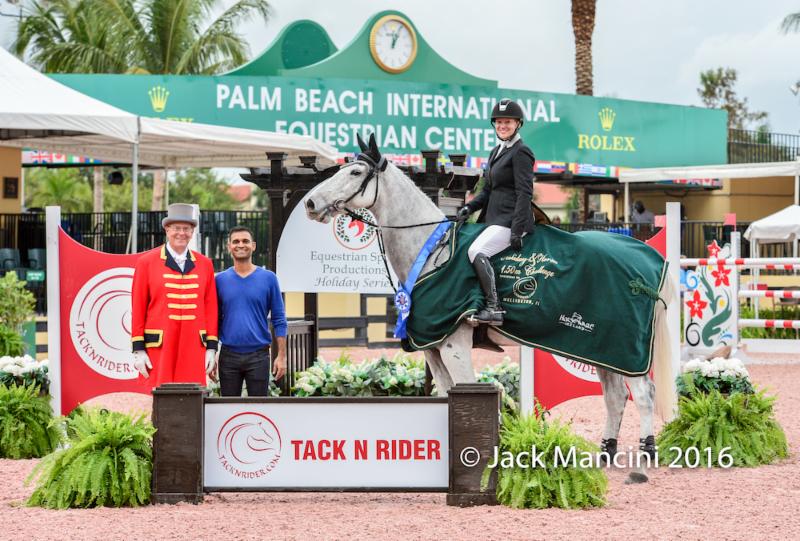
(95, 294)
(558, 379)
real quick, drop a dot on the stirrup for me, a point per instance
(489, 317)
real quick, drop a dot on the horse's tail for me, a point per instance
(666, 395)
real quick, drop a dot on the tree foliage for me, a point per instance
(202, 186)
(136, 36)
(717, 91)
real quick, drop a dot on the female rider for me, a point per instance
(506, 199)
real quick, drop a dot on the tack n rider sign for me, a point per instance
(95, 300)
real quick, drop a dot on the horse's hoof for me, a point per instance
(635, 478)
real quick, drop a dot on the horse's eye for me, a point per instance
(355, 172)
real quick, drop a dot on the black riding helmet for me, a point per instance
(507, 108)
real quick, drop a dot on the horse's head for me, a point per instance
(354, 186)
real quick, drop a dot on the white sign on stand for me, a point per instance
(336, 445)
(341, 256)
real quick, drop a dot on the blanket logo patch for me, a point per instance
(527, 273)
(575, 321)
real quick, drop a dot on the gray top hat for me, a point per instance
(179, 212)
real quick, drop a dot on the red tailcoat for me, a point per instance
(174, 315)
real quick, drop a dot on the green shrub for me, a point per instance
(554, 485)
(108, 462)
(27, 427)
(506, 376)
(780, 312)
(16, 302)
(11, 344)
(402, 375)
(741, 426)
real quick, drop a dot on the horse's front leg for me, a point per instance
(441, 377)
(615, 396)
(456, 355)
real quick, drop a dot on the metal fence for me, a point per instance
(748, 146)
(109, 232)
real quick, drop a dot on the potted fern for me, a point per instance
(723, 420)
(108, 462)
(550, 479)
(27, 427)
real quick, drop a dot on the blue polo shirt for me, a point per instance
(246, 305)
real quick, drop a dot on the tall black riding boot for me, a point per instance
(492, 313)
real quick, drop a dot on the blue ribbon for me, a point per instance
(402, 299)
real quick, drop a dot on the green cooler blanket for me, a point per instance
(590, 296)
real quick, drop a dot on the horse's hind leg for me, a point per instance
(615, 396)
(643, 391)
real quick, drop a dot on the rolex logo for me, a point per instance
(158, 98)
(607, 116)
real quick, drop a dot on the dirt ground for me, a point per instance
(744, 503)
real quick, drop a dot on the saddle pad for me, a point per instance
(590, 296)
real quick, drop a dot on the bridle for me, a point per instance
(340, 205)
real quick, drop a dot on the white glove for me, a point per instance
(141, 362)
(211, 360)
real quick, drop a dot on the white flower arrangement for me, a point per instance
(717, 367)
(24, 370)
(719, 374)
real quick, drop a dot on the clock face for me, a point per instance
(393, 44)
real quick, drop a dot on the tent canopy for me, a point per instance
(734, 170)
(35, 106)
(39, 113)
(783, 226)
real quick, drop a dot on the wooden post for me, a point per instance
(474, 422)
(178, 443)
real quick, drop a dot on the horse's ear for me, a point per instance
(361, 144)
(373, 145)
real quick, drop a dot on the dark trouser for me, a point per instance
(254, 368)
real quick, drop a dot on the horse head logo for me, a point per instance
(250, 440)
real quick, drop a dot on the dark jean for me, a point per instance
(253, 368)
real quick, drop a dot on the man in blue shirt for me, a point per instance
(247, 295)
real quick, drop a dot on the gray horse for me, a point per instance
(373, 183)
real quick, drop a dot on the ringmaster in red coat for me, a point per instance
(174, 333)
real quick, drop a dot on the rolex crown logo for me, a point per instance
(158, 98)
(607, 116)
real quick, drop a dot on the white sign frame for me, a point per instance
(250, 429)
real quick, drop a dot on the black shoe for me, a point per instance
(492, 314)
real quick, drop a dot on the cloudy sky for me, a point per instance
(649, 51)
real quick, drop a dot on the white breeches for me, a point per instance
(493, 240)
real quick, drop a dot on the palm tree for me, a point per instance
(791, 23)
(136, 36)
(583, 16)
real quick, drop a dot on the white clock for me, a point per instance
(393, 44)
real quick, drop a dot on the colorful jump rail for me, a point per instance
(769, 263)
(772, 263)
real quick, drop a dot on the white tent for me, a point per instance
(34, 106)
(38, 112)
(783, 226)
(733, 170)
